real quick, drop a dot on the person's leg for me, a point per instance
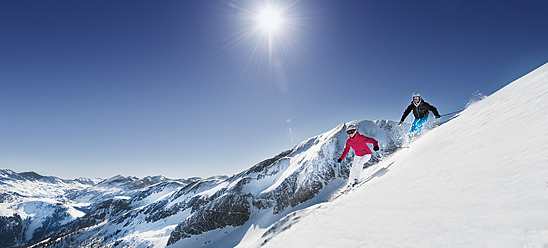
(420, 123)
(357, 167)
(365, 158)
(355, 170)
(413, 129)
(416, 127)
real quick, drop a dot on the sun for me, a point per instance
(269, 33)
(269, 19)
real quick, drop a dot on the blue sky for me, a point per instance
(194, 88)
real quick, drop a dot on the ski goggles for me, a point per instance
(350, 131)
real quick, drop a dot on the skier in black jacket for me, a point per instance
(420, 110)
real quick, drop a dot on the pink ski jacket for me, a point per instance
(359, 144)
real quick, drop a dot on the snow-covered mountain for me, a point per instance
(33, 207)
(156, 211)
(479, 180)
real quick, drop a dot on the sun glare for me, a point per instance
(269, 19)
(269, 31)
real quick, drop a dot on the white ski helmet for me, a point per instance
(350, 127)
(416, 94)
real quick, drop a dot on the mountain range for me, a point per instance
(46, 211)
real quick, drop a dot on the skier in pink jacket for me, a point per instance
(358, 143)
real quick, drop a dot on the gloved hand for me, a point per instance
(437, 117)
(339, 160)
(400, 123)
(376, 148)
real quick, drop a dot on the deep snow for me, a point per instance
(480, 180)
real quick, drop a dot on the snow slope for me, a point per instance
(480, 180)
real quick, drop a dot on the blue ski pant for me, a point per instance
(416, 127)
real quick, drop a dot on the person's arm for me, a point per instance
(406, 113)
(345, 152)
(372, 141)
(434, 110)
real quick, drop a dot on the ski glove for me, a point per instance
(400, 123)
(339, 160)
(437, 117)
(376, 148)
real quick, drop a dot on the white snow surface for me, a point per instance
(480, 180)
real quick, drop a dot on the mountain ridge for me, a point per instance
(211, 210)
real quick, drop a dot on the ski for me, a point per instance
(346, 190)
(373, 172)
(349, 188)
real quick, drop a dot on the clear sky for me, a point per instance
(185, 88)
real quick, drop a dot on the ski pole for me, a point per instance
(339, 169)
(398, 126)
(394, 148)
(452, 113)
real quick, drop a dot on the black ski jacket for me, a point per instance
(420, 111)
